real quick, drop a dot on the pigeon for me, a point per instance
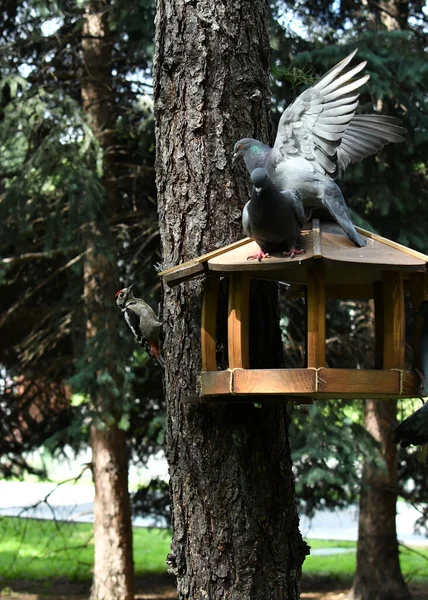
(319, 136)
(423, 345)
(414, 429)
(273, 218)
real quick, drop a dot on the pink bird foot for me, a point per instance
(292, 252)
(260, 255)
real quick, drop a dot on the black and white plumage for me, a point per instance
(142, 321)
(319, 136)
(414, 429)
(273, 218)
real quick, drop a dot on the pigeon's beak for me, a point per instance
(234, 158)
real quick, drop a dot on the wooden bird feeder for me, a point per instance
(332, 267)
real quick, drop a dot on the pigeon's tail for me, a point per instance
(401, 436)
(413, 431)
(333, 199)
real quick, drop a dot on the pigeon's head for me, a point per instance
(252, 151)
(423, 309)
(259, 178)
(123, 297)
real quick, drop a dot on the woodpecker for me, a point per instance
(142, 321)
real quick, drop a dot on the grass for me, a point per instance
(34, 549)
(414, 562)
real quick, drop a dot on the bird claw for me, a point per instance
(260, 255)
(292, 252)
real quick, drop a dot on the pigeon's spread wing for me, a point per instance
(314, 124)
(366, 135)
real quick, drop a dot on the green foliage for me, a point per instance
(54, 171)
(295, 76)
(328, 444)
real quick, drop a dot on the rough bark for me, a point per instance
(234, 517)
(113, 565)
(378, 575)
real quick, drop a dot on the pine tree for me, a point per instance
(74, 159)
(235, 527)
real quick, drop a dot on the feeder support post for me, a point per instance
(315, 312)
(238, 321)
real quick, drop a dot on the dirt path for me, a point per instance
(161, 587)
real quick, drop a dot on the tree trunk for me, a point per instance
(234, 516)
(113, 566)
(378, 575)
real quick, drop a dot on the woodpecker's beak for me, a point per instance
(131, 286)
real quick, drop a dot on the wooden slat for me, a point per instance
(418, 293)
(393, 334)
(358, 381)
(238, 259)
(238, 321)
(321, 383)
(379, 323)
(216, 382)
(392, 244)
(315, 314)
(274, 381)
(204, 257)
(186, 272)
(209, 324)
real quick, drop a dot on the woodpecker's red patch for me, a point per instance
(117, 293)
(154, 348)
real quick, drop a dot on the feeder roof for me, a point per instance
(322, 241)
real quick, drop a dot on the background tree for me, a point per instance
(75, 156)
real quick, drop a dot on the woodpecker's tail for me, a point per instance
(158, 360)
(153, 351)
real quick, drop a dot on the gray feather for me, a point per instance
(319, 136)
